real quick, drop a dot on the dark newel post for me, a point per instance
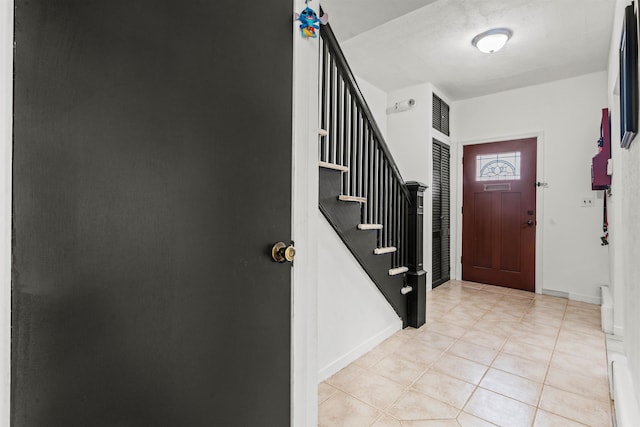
(416, 276)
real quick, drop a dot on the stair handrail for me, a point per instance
(329, 37)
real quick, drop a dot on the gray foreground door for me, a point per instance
(152, 165)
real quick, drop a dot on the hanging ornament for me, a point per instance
(309, 22)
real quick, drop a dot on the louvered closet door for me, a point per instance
(441, 214)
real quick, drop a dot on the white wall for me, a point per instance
(410, 145)
(619, 183)
(628, 202)
(410, 142)
(353, 316)
(624, 223)
(377, 101)
(567, 113)
(6, 91)
(409, 133)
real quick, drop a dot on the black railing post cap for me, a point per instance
(416, 186)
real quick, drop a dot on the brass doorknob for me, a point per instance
(282, 253)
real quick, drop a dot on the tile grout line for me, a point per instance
(453, 302)
(546, 374)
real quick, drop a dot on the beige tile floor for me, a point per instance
(486, 356)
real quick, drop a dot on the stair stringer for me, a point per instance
(344, 217)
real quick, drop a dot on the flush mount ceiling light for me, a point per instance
(493, 40)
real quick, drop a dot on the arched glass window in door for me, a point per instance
(498, 167)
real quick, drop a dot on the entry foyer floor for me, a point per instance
(486, 356)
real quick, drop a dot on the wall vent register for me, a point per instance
(440, 115)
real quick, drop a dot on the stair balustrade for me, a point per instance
(354, 146)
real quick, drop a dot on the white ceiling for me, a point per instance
(399, 43)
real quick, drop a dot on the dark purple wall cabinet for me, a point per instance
(600, 180)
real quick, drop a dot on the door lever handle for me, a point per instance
(529, 223)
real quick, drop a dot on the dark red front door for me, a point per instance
(499, 213)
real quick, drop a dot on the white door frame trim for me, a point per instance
(304, 279)
(6, 132)
(539, 135)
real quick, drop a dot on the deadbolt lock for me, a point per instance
(282, 253)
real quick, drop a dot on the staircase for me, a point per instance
(362, 194)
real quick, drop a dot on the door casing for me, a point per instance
(304, 280)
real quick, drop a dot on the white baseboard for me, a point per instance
(358, 351)
(553, 293)
(627, 412)
(585, 298)
(606, 310)
(574, 297)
